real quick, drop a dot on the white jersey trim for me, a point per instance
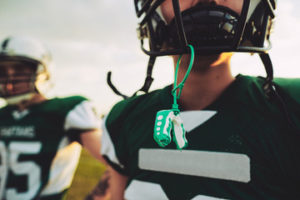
(138, 190)
(82, 116)
(63, 167)
(107, 146)
(204, 197)
(218, 165)
(193, 119)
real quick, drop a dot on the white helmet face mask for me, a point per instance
(26, 51)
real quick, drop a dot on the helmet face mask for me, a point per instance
(205, 26)
(209, 28)
(23, 69)
(17, 78)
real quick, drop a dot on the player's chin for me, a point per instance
(17, 92)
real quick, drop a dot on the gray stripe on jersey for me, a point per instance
(82, 116)
(107, 146)
(219, 165)
(138, 190)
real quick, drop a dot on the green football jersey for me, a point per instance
(38, 155)
(239, 147)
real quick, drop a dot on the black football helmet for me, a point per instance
(210, 28)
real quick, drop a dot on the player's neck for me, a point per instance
(36, 99)
(203, 87)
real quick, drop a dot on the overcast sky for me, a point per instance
(88, 38)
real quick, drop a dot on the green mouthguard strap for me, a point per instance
(181, 84)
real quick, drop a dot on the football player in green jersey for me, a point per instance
(38, 152)
(218, 136)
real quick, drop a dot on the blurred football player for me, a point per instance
(38, 152)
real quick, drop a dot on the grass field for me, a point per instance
(86, 176)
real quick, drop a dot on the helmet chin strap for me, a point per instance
(145, 88)
(268, 84)
(273, 94)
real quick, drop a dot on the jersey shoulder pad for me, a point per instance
(62, 105)
(4, 111)
(133, 106)
(291, 86)
(118, 123)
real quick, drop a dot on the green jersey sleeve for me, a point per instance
(114, 138)
(119, 134)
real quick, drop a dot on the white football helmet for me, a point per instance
(25, 50)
